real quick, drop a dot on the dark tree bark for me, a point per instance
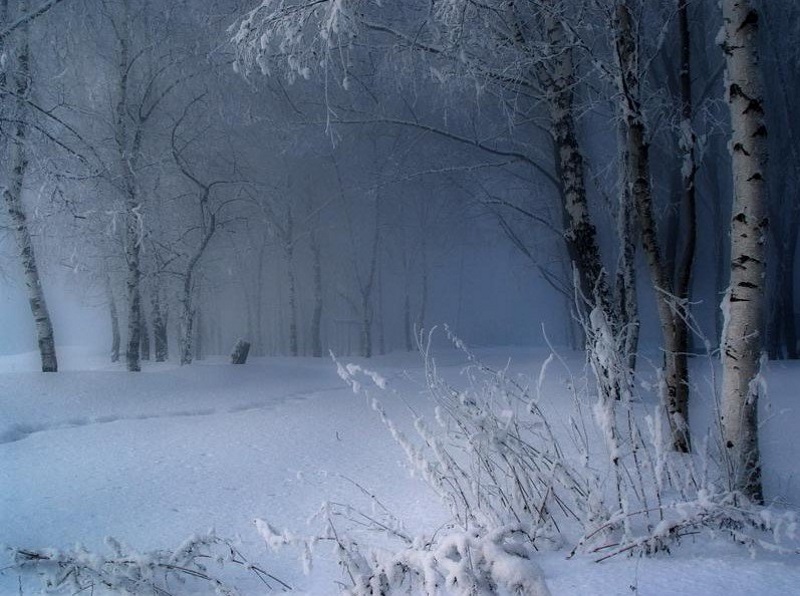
(187, 305)
(112, 309)
(159, 319)
(199, 335)
(637, 164)
(144, 344)
(288, 248)
(240, 352)
(419, 324)
(316, 317)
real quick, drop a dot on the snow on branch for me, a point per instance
(302, 35)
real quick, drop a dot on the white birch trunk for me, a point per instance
(12, 196)
(128, 140)
(579, 232)
(744, 301)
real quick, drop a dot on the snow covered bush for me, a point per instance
(124, 570)
(454, 561)
(604, 481)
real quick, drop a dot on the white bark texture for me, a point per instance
(12, 196)
(744, 302)
(128, 140)
(579, 232)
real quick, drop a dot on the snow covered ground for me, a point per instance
(153, 458)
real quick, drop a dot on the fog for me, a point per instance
(311, 193)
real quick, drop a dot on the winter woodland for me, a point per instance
(414, 297)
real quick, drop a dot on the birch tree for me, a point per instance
(12, 194)
(637, 176)
(744, 301)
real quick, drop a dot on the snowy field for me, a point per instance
(153, 458)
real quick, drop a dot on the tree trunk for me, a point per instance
(199, 334)
(409, 332)
(187, 308)
(688, 219)
(289, 252)
(144, 335)
(366, 328)
(134, 297)
(789, 321)
(112, 309)
(258, 330)
(13, 199)
(128, 144)
(187, 323)
(367, 313)
(160, 336)
(675, 392)
(580, 234)
(744, 300)
(316, 318)
(381, 317)
(419, 324)
(627, 301)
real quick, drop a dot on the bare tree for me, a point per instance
(208, 225)
(12, 194)
(744, 301)
(637, 176)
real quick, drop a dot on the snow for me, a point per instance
(152, 459)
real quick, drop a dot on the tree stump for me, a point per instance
(240, 352)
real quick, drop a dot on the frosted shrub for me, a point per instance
(494, 459)
(124, 570)
(605, 481)
(454, 561)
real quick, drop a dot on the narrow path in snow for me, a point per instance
(19, 432)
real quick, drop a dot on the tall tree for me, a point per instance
(744, 301)
(12, 195)
(638, 179)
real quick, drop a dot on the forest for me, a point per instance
(550, 245)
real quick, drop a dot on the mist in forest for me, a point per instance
(186, 184)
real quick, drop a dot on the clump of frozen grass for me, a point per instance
(452, 561)
(604, 480)
(124, 570)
